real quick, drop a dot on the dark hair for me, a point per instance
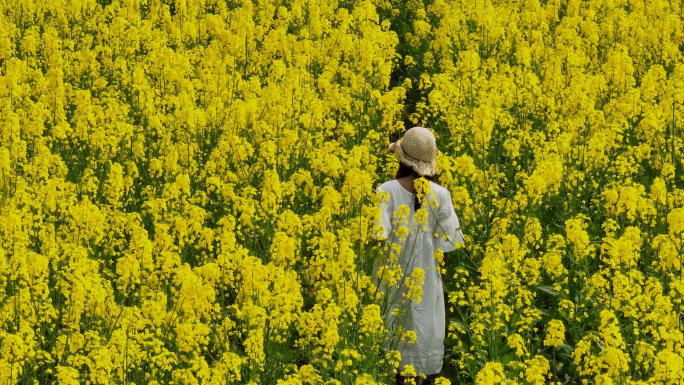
(405, 170)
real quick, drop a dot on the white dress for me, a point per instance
(426, 318)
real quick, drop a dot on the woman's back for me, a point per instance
(441, 217)
(427, 316)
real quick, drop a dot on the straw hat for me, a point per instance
(418, 150)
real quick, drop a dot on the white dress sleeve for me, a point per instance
(385, 214)
(447, 228)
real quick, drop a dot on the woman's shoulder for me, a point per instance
(439, 190)
(387, 186)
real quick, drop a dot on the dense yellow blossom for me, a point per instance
(187, 188)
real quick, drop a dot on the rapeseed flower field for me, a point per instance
(187, 188)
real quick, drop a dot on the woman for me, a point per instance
(417, 151)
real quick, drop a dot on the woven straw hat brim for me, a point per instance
(421, 167)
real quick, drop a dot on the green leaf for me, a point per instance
(508, 358)
(563, 351)
(548, 289)
(458, 323)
